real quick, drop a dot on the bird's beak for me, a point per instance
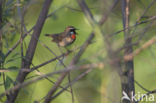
(77, 29)
(76, 32)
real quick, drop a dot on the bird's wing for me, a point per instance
(54, 36)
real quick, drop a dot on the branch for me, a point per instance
(141, 86)
(18, 42)
(148, 93)
(70, 68)
(141, 35)
(31, 48)
(71, 83)
(68, 85)
(49, 61)
(146, 9)
(86, 11)
(134, 25)
(40, 73)
(128, 72)
(73, 62)
(137, 51)
(105, 16)
(90, 18)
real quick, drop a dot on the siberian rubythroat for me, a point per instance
(64, 38)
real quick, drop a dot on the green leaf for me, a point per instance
(2, 57)
(8, 82)
(13, 68)
(15, 55)
(10, 60)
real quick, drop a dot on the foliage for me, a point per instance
(102, 84)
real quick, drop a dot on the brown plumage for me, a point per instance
(65, 38)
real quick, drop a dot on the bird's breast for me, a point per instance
(66, 41)
(73, 36)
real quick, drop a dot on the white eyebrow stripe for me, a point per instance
(71, 28)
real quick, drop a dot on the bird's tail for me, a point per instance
(47, 35)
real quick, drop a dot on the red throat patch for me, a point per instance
(73, 36)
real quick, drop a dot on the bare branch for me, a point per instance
(137, 51)
(17, 43)
(141, 35)
(86, 11)
(71, 83)
(73, 62)
(25, 34)
(148, 93)
(76, 58)
(31, 49)
(105, 16)
(141, 86)
(128, 72)
(69, 68)
(134, 25)
(146, 9)
(88, 14)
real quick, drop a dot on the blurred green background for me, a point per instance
(101, 85)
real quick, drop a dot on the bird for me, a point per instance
(65, 38)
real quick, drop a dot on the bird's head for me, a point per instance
(71, 29)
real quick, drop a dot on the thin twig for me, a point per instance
(141, 86)
(18, 42)
(139, 23)
(44, 45)
(70, 68)
(137, 51)
(40, 73)
(148, 93)
(49, 61)
(145, 11)
(31, 49)
(71, 83)
(105, 16)
(137, 41)
(88, 14)
(74, 61)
